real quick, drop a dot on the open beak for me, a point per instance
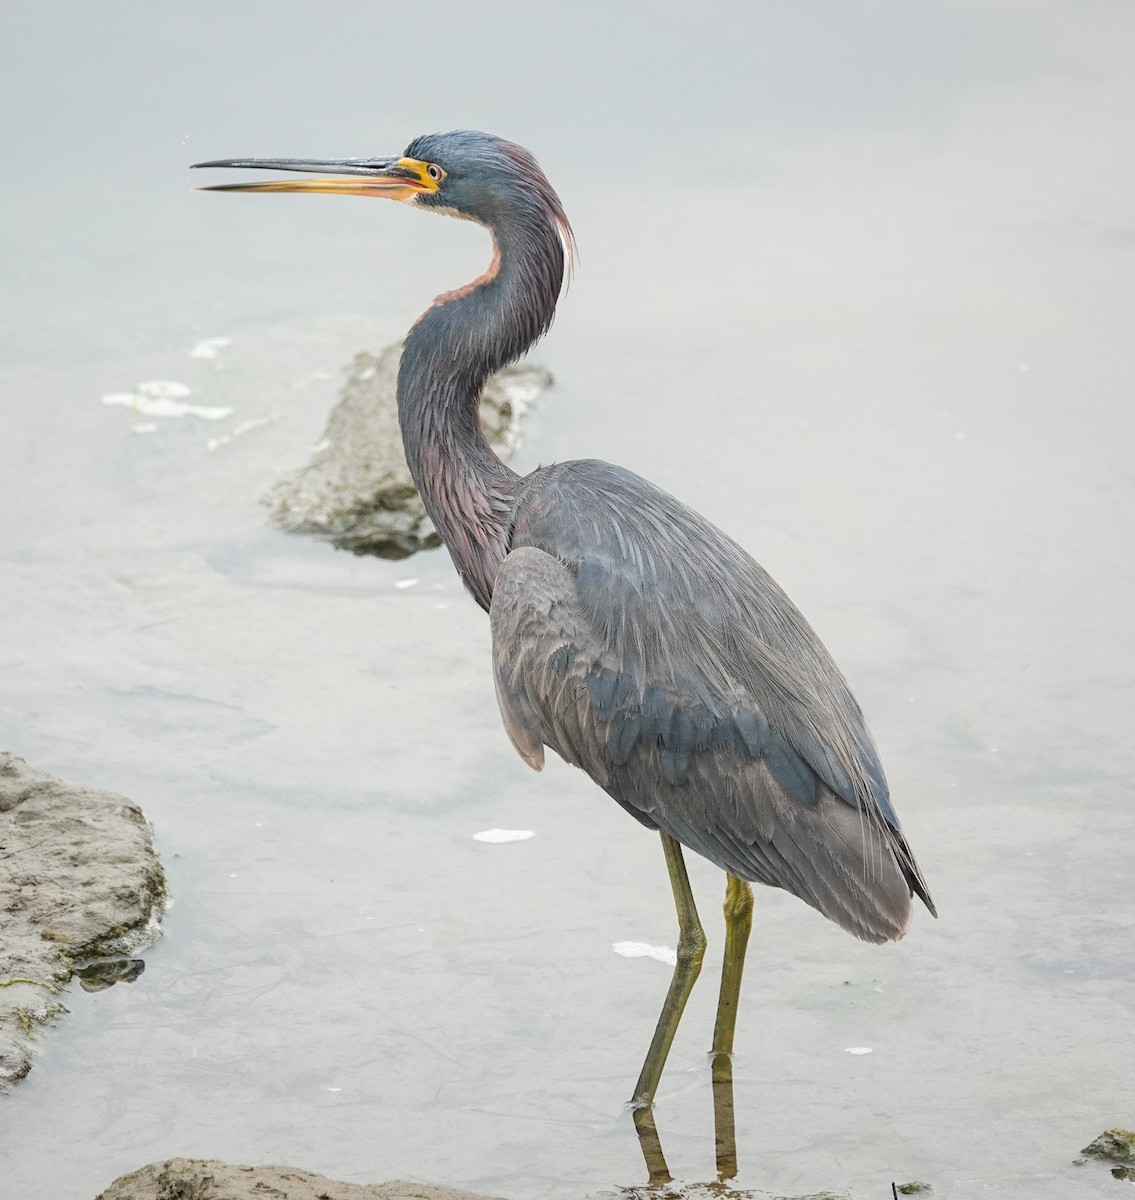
(392, 178)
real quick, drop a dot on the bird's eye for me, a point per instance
(435, 172)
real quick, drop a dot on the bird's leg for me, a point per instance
(691, 950)
(738, 923)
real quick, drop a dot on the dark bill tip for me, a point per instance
(340, 166)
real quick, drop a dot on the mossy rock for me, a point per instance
(207, 1179)
(1115, 1145)
(357, 492)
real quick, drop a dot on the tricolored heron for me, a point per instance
(629, 634)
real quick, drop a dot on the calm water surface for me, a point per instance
(855, 282)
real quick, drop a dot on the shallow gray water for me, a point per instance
(855, 282)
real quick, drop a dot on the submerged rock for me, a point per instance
(1115, 1145)
(81, 890)
(357, 492)
(712, 1191)
(205, 1179)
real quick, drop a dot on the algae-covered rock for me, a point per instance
(914, 1188)
(712, 1191)
(814, 1196)
(357, 492)
(1115, 1145)
(206, 1179)
(79, 881)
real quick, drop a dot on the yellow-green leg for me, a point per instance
(738, 923)
(691, 950)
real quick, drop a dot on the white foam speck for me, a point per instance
(164, 389)
(662, 954)
(144, 427)
(404, 583)
(224, 439)
(857, 1049)
(255, 423)
(210, 347)
(499, 836)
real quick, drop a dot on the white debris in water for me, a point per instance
(160, 407)
(164, 398)
(404, 583)
(499, 836)
(255, 423)
(662, 954)
(210, 347)
(144, 427)
(243, 427)
(857, 1049)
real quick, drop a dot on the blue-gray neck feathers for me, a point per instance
(458, 343)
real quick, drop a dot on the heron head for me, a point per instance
(464, 173)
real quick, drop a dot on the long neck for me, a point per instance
(456, 345)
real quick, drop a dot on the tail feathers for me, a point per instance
(912, 873)
(852, 873)
(858, 874)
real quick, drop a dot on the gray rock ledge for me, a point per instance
(205, 1179)
(357, 492)
(81, 890)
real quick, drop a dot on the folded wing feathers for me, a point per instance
(711, 770)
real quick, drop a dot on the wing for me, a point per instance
(648, 649)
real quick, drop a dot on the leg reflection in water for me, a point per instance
(691, 945)
(738, 923)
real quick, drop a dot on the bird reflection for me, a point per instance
(724, 1132)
